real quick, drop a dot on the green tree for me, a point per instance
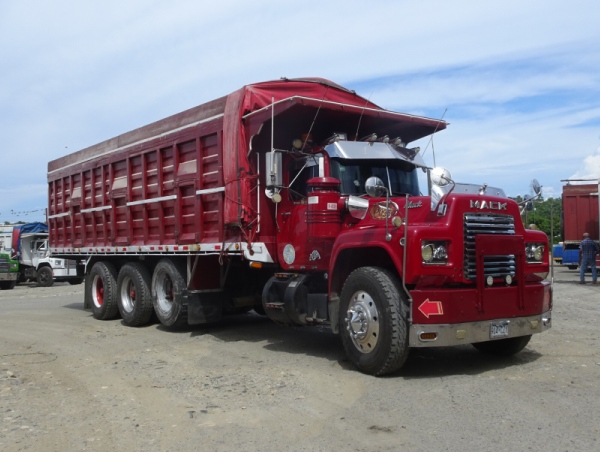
(545, 213)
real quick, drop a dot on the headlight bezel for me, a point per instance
(534, 252)
(434, 252)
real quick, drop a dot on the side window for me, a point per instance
(352, 177)
(299, 174)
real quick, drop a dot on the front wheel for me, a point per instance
(373, 321)
(45, 278)
(503, 347)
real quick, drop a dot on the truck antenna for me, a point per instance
(431, 138)
(361, 115)
(314, 119)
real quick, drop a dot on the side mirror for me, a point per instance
(440, 176)
(440, 187)
(274, 169)
(375, 187)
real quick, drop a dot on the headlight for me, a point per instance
(379, 211)
(427, 253)
(534, 252)
(435, 253)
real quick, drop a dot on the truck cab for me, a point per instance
(359, 241)
(35, 260)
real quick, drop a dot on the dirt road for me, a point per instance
(70, 382)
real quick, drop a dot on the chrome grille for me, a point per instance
(486, 223)
(4, 267)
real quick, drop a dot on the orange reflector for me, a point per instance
(256, 265)
(428, 336)
(547, 302)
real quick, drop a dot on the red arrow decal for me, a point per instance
(431, 308)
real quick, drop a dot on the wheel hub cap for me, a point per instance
(362, 322)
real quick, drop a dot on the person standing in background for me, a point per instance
(587, 256)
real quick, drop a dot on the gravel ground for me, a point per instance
(70, 382)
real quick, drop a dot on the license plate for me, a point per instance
(499, 329)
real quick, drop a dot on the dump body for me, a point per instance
(300, 199)
(190, 180)
(580, 214)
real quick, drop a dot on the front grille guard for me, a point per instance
(498, 266)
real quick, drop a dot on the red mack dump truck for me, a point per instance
(299, 199)
(580, 205)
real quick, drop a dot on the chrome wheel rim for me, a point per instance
(128, 294)
(97, 291)
(164, 292)
(362, 322)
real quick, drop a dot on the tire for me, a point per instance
(169, 293)
(373, 321)
(503, 347)
(103, 291)
(45, 278)
(572, 267)
(75, 281)
(8, 285)
(134, 297)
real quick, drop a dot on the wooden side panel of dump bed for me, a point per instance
(159, 191)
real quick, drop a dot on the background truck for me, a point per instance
(6, 237)
(9, 267)
(580, 214)
(9, 271)
(301, 200)
(30, 244)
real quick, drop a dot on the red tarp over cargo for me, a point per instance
(250, 98)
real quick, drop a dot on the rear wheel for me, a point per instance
(134, 295)
(168, 288)
(45, 278)
(503, 347)
(103, 291)
(373, 321)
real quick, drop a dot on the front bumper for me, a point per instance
(8, 276)
(471, 332)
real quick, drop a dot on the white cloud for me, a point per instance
(590, 167)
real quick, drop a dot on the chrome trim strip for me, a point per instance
(468, 333)
(208, 191)
(95, 209)
(59, 215)
(259, 252)
(146, 201)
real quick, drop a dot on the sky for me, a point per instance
(517, 81)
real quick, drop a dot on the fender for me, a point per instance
(361, 239)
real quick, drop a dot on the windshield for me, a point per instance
(398, 176)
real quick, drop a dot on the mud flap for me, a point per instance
(204, 308)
